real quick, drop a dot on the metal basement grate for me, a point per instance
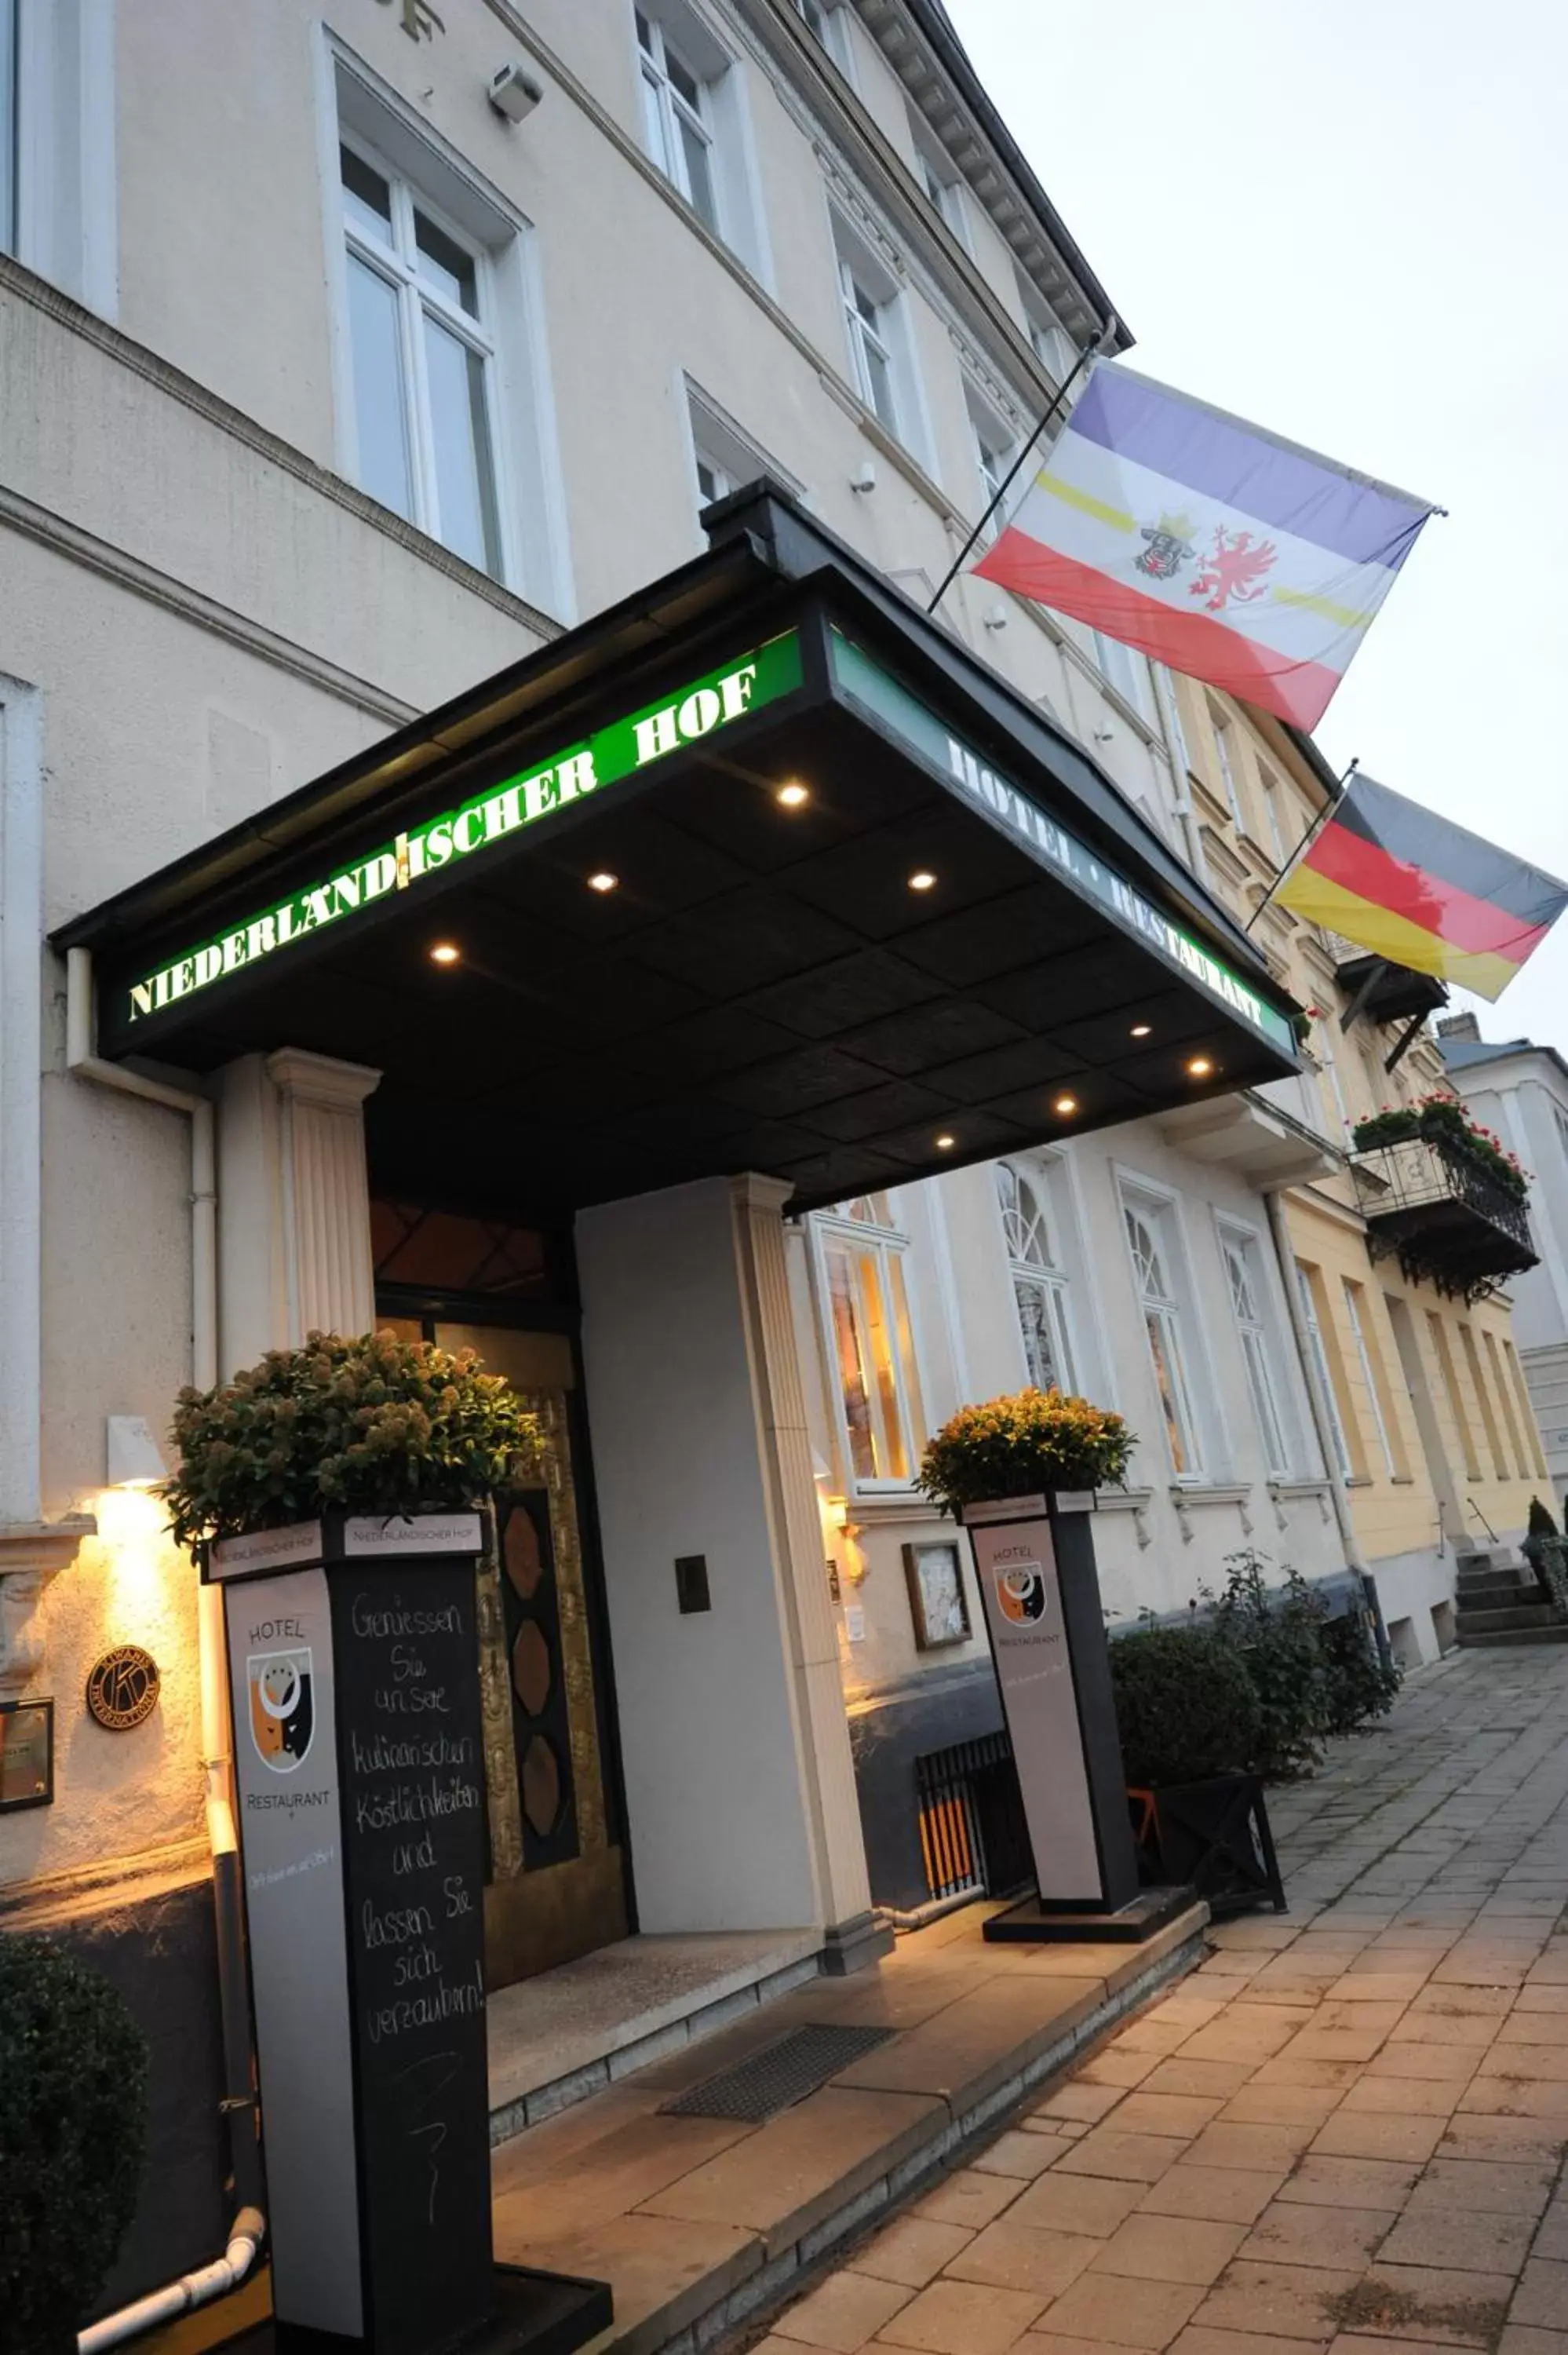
(779, 2075)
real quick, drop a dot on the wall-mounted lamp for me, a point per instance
(865, 477)
(514, 93)
(995, 616)
(135, 1458)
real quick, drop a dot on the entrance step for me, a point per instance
(1555, 1633)
(558, 2038)
(1491, 1581)
(1497, 1623)
(704, 2224)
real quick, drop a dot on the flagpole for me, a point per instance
(1090, 353)
(1314, 827)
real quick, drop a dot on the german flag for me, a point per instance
(1410, 887)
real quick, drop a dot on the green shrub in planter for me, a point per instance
(73, 2103)
(372, 1425)
(1020, 1445)
(1276, 1630)
(1185, 1708)
(1359, 1683)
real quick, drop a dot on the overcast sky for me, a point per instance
(1347, 220)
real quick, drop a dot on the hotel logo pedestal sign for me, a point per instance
(359, 1771)
(1035, 1564)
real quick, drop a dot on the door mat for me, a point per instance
(778, 2076)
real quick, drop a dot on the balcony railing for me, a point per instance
(1449, 1219)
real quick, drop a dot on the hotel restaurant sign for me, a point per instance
(625, 748)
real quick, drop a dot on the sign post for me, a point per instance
(1034, 1565)
(358, 1765)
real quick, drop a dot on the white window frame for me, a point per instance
(1226, 766)
(1052, 346)
(1274, 802)
(1344, 1460)
(396, 265)
(1125, 671)
(666, 111)
(995, 446)
(1165, 688)
(1046, 1274)
(64, 181)
(941, 182)
(1174, 1312)
(869, 347)
(857, 263)
(356, 108)
(824, 19)
(1257, 1334)
(730, 453)
(840, 1229)
(1369, 1375)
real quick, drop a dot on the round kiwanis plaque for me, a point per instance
(123, 1687)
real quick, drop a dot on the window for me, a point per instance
(1456, 1396)
(861, 1263)
(943, 185)
(1306, 1288)
(1379, 1402)
(1039, 1278)
(1171, 703)
(825, 19)
(1505, 1400)
(1489, 1420)
(675, 119)
(868, 349)
(1054, 346)
(9, 126)
(1125, 671)
(1327, 1065)
(1527, 1424)
(993, 449)
(1276, 811)
(1248, 1302)
(423, 362)
(1224, 757)
(713, 478)
(1151, 1243)
(725, 458)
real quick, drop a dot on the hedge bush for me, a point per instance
(73, 2125)
(1256, 1685)
(1185, 1708)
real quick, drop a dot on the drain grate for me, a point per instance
(779, 2075)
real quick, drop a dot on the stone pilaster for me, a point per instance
(328, 1276)
(30, 1554)
(785, 1450)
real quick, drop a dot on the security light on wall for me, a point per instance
(514, 93)
(865, 477)
(996, 616)
(134, 1461)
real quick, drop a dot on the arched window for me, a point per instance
(861, 1268)
(1247, 1302)
(1039, 1278)
(1150, 1242)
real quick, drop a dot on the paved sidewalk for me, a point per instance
(1345, 2129)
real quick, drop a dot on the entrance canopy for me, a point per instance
(759, 870)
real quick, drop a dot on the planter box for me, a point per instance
(1213, 1835)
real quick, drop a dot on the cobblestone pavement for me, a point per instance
(1346, 2128)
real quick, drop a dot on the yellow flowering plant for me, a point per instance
(1016, 1446)
(375, 1425)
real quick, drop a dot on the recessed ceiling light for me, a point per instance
(922, 879)
(603, 881)
(1200, 1067)
(946, 1144)
(445, 953)
(792, 795)
(1142, 1030)
(1065, 1105)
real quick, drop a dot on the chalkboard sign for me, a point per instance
(411, 1778)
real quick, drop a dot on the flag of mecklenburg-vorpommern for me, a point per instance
(1207, 543)
(1412, 887)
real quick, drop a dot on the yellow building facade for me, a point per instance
(1421, 1400)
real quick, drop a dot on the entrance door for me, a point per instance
(556, 1880)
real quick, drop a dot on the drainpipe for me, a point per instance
(82, 1063)
(246, 2237)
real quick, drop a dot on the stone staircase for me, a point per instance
(1499, 1602)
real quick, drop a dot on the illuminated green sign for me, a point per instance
(621, 750)
(1039, 832)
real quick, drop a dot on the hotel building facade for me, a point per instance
(356, 440)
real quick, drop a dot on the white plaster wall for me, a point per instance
(709, 1737)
